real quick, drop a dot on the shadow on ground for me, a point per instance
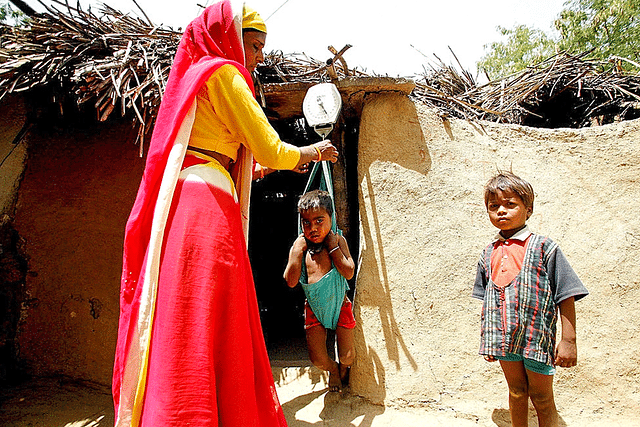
(340, 410)
(65, 402)
(56, 402)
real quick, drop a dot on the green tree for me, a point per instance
(3, 12)
(9, 15)
(524, 46)
(604, 27)
(609, 27)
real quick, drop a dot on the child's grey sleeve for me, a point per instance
(565, 283)
(481, 281)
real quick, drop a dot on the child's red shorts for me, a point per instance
(346, 319)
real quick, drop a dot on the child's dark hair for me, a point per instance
(316, 199)
(508, 181)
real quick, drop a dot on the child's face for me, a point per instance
(507, 212)
(316, 224)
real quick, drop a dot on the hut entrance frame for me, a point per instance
(273, 228)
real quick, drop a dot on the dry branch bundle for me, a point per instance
(111, 60)
(564, 90)
(121, 63)
(116, 61)
(298, 67)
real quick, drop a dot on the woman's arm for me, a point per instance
(260, 171)
(325, 151)
(317, 152)
(294, 264)
(236, 107)
(340, 255)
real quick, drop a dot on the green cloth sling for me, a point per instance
(325, 297)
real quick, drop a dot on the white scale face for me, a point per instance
(321, 107)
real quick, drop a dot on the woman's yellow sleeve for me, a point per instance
(234, 104)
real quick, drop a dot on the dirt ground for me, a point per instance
(59, 402)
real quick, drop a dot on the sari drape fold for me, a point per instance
(190, 348)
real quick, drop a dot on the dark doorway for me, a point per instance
(274, 227)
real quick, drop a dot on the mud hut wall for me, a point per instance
(74, 199)
(423, 226)
(12, 153)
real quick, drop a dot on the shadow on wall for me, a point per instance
(390, 137)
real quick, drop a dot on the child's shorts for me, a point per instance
(529, 364)
(345, 320)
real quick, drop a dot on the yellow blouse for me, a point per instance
(228, 115)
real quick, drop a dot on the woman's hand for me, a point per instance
(302, 168)
(327, 151)
(260, 171)
(319, 151)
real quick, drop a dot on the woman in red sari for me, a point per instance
(190, 346)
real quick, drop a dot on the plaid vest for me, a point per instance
(521, 317)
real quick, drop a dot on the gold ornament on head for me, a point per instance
(251, 20)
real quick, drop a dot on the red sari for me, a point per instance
(190, 347)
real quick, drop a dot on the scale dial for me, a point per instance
(321, 105)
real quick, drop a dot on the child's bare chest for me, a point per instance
(317, 265)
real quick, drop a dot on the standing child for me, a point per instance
(320, 260)
(523, 278)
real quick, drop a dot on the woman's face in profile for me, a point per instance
(253, 43)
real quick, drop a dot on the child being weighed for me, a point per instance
(322, 258)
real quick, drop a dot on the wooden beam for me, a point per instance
(284, 100)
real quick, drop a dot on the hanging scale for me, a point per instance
(321, 107)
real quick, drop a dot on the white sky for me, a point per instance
(382, 34)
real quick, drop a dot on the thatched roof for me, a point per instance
(118, 62)
(562, 91)
(111, 60)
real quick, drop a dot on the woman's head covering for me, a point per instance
(211, 40)
(216, 33)
(251, 20)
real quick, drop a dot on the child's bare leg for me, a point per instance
(541, 394)
(317, 346)
(516, 377)
(346, 351)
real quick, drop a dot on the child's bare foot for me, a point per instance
(335, 384)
